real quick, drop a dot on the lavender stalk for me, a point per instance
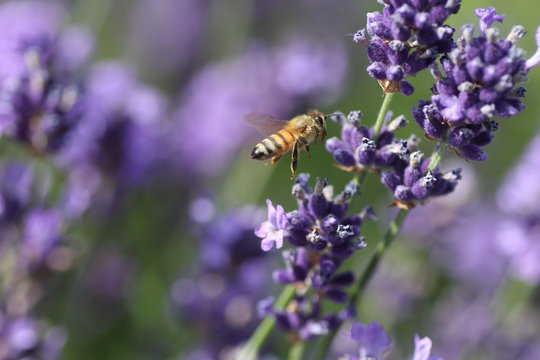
(251, 348)
(382, 113)
(297, 350)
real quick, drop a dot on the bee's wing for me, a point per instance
(265, 124)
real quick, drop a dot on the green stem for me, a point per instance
(437, 155)
(296, 352)
(251, 348)
(93, 13)
(388, 238)
(382, 114)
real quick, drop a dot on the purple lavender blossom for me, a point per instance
(375, 342)
(358, 150)
(220, 297)
(422, 349)
(534, 60)
(406, 38)
(480, 83)
(414, 183)
(323, 236)
(404, 169)
(260, 80)
(272, 230)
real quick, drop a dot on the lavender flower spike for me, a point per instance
(535, 59)
(407, 37)
(372, 338)
(271, 232)
(375, 343)
(422, 349)
(478, 82)
(488, 17)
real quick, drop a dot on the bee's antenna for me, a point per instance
(329, 115)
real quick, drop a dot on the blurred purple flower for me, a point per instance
(375, 342)
(31, 228)
(170, 28)
(39, 100)
(518, 200)
(372, 339)
(520, 192)
(25, 21)
(24, 337)
(210, 129)
(517, 240)
(16, 184)
(119, 141)
(43, 235)
(220, 296)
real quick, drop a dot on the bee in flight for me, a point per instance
(284, 135)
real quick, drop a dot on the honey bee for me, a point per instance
(283, 136)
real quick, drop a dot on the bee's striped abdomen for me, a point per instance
(274, 145)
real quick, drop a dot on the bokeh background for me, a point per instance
(164, 261)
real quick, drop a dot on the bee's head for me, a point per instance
(319, 117)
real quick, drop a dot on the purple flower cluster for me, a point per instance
(359, 150)
(480, 83)
(406, 38)
(220, 298)
(323, 236)
(374, 343)
(415, 183)
(402, 167)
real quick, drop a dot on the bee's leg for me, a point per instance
(323, 136)
(274, 160)
(294, 162)
(306, 146)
